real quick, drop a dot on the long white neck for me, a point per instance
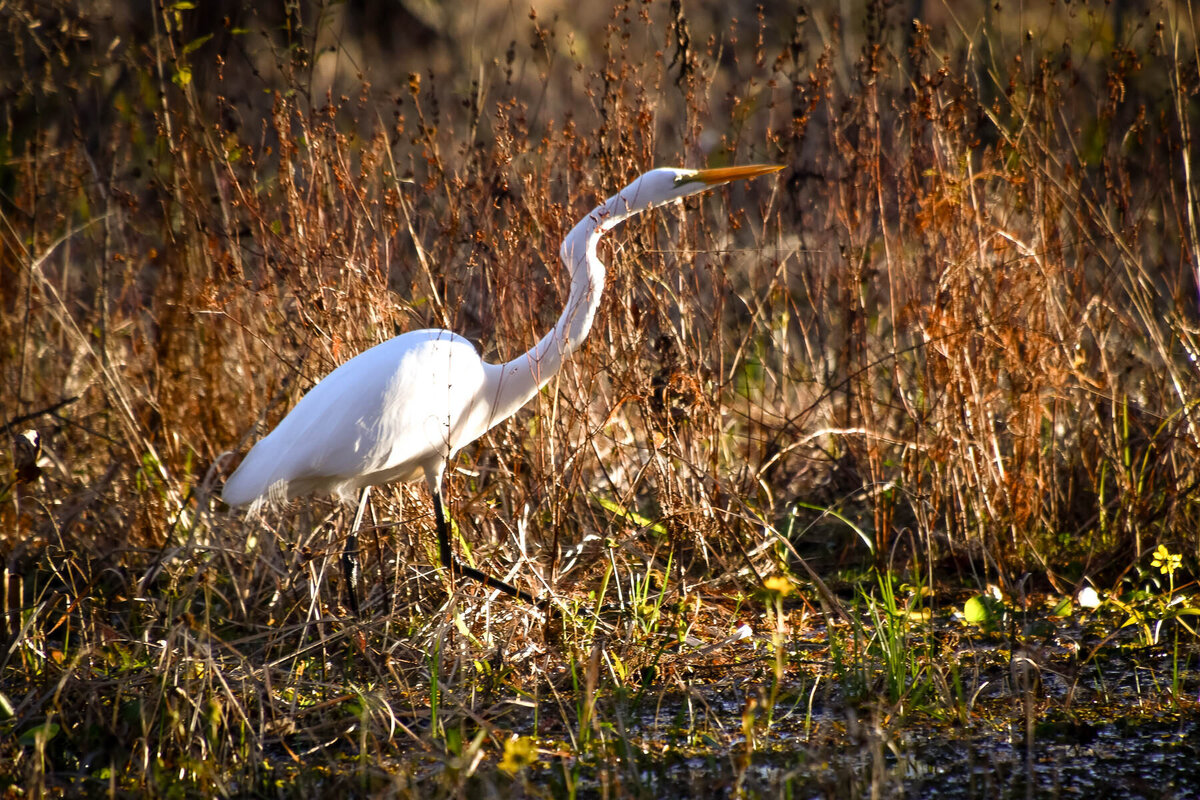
(521, 378)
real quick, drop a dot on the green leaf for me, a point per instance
(631, 515)
(196, 44)
(976, 611)
(866, 539)
(41, 734)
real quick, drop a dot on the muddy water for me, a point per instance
(1075, 711)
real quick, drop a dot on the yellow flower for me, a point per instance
(1166, 561)
(779, 585)
(519, 753)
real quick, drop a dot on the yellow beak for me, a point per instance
(720, 175)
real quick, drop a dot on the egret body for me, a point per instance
(402, 409)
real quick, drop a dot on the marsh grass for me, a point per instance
(960, 328)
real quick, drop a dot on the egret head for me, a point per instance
(666, 184)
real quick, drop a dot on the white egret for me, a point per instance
(402, 409)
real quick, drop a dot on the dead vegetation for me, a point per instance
(962, 323)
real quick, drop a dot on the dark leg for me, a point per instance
(350, 566)
(458, 568)
(350, 570)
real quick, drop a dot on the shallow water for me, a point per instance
(843, 756)
(1077, 711)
